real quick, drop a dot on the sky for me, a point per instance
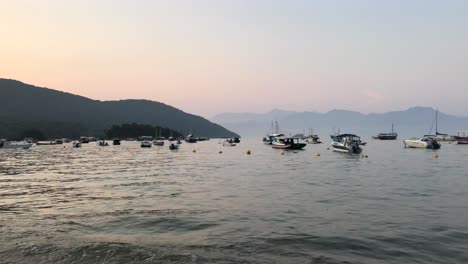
(213, 56)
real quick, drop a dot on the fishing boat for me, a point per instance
(462, 137)
(4, 144)
(346, 143)
(116, 141)
(288, 143)
(387, 136)
(426, 142)
(146, 144)
(173, 146)
(312, 138)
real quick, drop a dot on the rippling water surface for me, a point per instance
(125, 204)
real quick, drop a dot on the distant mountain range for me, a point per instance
(415, 121)
(60, 114)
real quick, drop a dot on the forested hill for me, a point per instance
(60, 114)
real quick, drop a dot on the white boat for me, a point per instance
(15, 144)
(76, 144)
(426, 142)
(146, 144)
(45, 143)
(346, 143)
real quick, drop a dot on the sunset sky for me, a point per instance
(213, 56)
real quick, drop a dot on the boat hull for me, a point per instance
(293, 146)
(344, 149)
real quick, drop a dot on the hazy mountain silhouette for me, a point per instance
(60, 114)
(415, 121)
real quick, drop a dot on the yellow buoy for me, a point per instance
(194, 151)
(318, 154)
(435, 156)
(248, 152)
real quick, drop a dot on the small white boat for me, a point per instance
(346, 143)
(146, 144)
(15, 144)
(426, 142)
(76, 144)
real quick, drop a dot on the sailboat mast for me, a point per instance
(437, 117)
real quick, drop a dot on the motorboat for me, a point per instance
(15, 144)
(158, 143)
(462, 137)
(76, 144)
(288, 143)
(102, 143)
(146, 144)
(173, 146)
(116, 141)
(425, 142)
(236, 140)
(346, 143)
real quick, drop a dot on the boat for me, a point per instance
(116, 141)
(4, 144)
(312, 138)
(102, 143)
(173, 146)
(462, 137)
(190, 139)
(45, 143)
(236, 140)
(84, 140)
(387, 136)
(146, 144)
(287, 143)
(76, 144)
(229, 143)
(346, 143)
(158, 143)
(441, 137)
(58, 141)
(425, 142)
(145, 138)
(269, 139)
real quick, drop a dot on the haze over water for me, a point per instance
(125, 204)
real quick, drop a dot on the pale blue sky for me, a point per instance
(213, 56)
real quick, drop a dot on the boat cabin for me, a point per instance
(346, 137)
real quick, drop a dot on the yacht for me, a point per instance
(76, 144)
(426, 142)
(346, 143)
